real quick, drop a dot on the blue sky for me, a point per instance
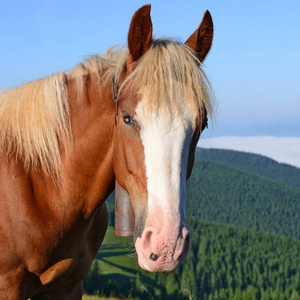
(254, 64)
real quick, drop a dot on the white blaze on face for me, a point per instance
(166, 144)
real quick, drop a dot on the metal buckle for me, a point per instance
(115, 95)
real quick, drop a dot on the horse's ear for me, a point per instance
(200, 41)
(140, 33)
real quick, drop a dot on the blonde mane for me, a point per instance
(34, 118)
(170, 75)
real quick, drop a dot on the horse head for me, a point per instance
(162, 110)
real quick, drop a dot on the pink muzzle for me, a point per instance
(163, 245)
(165, 241)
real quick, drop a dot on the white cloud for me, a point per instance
(282, 149)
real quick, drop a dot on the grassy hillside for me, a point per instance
(222, 194)
(256, 164)
(224, 263)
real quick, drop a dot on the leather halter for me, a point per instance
(115, 90)
(124, 215)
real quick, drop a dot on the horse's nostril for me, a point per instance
(153, 256)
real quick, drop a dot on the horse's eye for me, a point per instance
(127, 120)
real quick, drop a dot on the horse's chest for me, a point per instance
(73, 256)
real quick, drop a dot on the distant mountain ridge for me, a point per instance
(254, 163)
(223, 194)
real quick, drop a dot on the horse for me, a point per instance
(133, 116)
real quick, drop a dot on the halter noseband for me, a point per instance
(115, 89)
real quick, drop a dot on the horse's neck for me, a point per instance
(87, 175)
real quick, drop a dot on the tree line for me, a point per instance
(222, 194)
(225, 262)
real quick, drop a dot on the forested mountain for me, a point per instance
(227, 194)
(224, 263)
(253, 163)
(222, 194)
